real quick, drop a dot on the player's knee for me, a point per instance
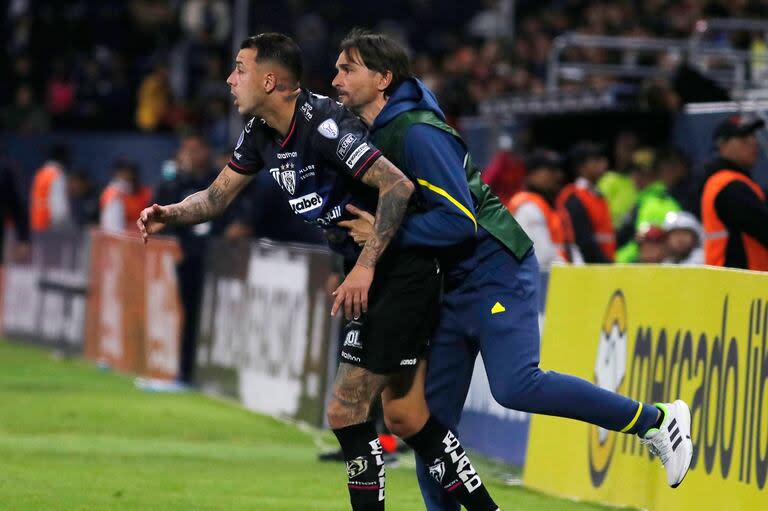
(405, 422)
(518, 393)
(341, 415)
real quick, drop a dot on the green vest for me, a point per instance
(490, 213)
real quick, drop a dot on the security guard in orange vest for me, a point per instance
(733, 207)
(534, 209)
(587, 208)
(123, 198)
(49, 200)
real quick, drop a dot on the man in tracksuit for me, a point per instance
(490, 270)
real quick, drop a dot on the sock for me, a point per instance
(450, 466)
(648, 420)
(365, 466)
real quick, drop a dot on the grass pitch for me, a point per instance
(73, 437)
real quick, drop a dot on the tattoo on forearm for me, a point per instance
(201, 206)
(394, 192)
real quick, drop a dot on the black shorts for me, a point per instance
(403, 303)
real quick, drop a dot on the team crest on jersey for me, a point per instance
(288, 177)
(249, 125)
(437, 471)
(329, 129)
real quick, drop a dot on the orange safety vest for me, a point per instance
(39, 209)
(132, 203)
(716, 233)
(599, 216)
(558, 225)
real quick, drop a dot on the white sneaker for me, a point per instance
(672, 442)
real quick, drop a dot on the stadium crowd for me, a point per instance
(158, 64)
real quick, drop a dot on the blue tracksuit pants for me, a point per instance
(509, 344)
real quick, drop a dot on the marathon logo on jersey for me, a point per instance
(329, 217)
(249, 126)
(352, 339)
(306, 109)
(328, 129)
(238, 155)
(344, 144)
(408, 362)
(285, 156)
(349, 357)
(306, 203)
(356, 155)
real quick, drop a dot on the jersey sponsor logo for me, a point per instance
(356, 155)
(408, 362)
(329, 217)
(240, 140)
(356, 466)
(285, 156)
(344, 144)
(306, 203)
(306, 172)
(306, 109)
(249, 125)
(328, 129)
(353, 339)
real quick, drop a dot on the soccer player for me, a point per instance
(319, 155)
(490, 270)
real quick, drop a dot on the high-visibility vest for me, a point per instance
(599, 216)
(716, 234)
(39, 208)
(133, 203)
(557, 223)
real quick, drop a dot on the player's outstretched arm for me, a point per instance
(199, 207)
(394, 192)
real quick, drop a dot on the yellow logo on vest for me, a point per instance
(497, 308)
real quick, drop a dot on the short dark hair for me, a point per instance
(380, 53)
(278, 48)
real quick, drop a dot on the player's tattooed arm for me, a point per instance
(199, 207)
(209, 203)
(395, 190)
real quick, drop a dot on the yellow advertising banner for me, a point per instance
(656, 334)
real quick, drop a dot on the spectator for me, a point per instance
(653, 204)
(123, 199)
(49, 202)
(12, 211)
(616, 185)
(733, 206)
(194, 173)
(535, 212)
(684, 236)
(506, 171)
(154, 100)
(652, 244)
(25, 115)
(83, 199)
(587, 209)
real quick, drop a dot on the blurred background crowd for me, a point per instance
(159, 66)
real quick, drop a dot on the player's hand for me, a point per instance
(352, 294)
(151, 220)
(360, 228)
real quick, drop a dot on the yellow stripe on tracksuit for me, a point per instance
(440, 191)
(633, 421)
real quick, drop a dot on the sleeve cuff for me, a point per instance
(367, 163)
(240, 169)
